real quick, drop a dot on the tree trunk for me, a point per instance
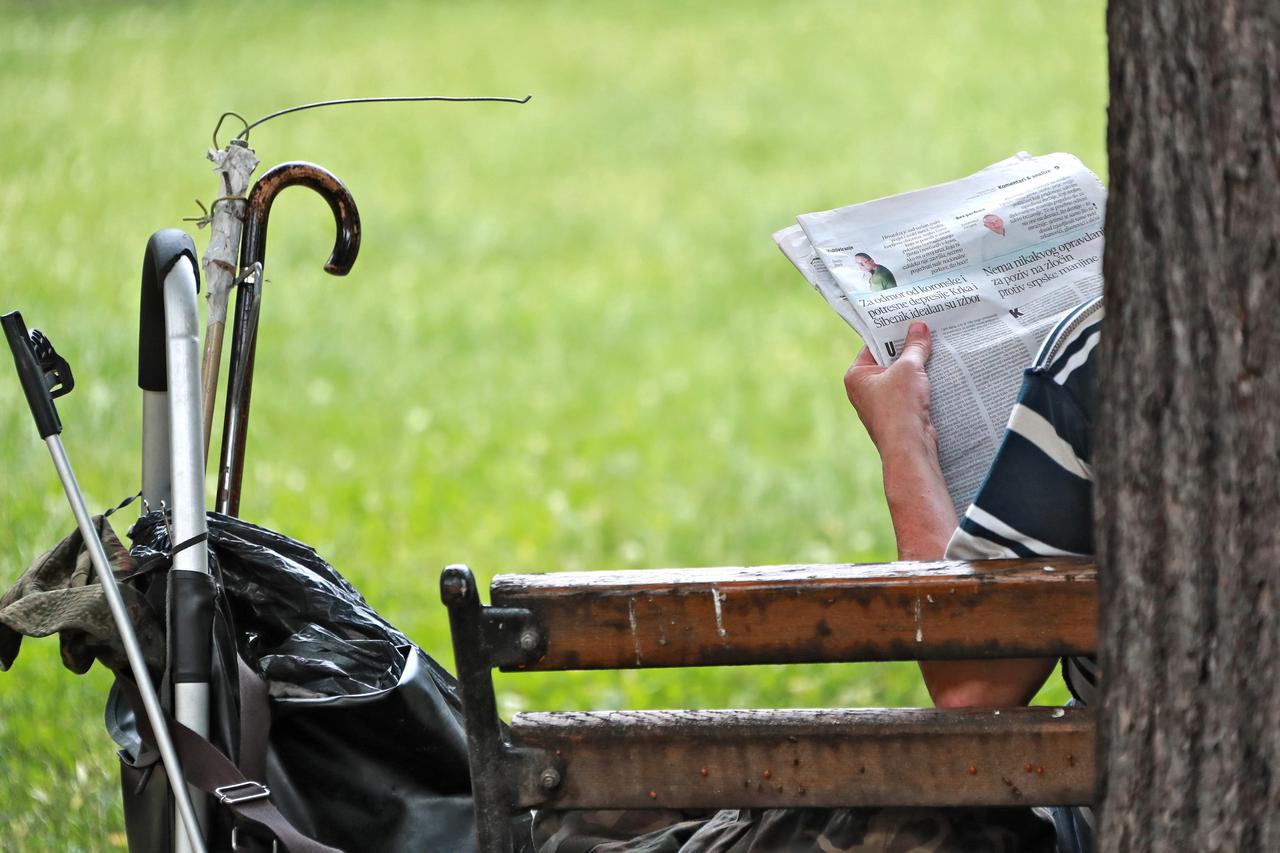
(1187, 448)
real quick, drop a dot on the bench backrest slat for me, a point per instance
(815, 758)
(808, 614)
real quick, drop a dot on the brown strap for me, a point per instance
(255, 721)
(212, 772)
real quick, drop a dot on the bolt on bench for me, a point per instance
(772, 758)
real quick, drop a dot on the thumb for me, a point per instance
(918, 345)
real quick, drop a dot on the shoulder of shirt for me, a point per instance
(1081, 320)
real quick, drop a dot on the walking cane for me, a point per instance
(173, 466)
(45, 375)
(228, 216)
(244, 335)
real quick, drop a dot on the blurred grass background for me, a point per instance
(569, 342)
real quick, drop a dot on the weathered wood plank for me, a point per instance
(809, 614)
(816, 758)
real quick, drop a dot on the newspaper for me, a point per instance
(991, 262)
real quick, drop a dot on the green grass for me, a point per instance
(568, 343)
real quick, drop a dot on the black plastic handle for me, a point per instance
(164, 249)
(34, 378)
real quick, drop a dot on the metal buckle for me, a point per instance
(251, 791)
(235, 842)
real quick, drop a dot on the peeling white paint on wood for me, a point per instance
(635, 636)
(716, 598)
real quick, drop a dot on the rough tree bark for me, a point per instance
(1188, 442)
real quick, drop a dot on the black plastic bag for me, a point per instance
(366, 749)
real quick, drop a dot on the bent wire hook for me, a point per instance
(253, 247)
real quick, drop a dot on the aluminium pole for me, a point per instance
(169, 370)
(38, 381)
(190, 586)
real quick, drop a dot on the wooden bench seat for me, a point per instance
(772, 758)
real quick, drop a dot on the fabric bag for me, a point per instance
(355, 731)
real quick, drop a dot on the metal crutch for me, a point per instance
(173, 468)
(45, 375)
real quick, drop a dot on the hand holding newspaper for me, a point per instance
(991, 262)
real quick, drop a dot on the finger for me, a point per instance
(863, 366)
(864, 359)
(918, 345)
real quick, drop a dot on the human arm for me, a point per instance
(893, 404)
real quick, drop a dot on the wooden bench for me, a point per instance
(771, 758)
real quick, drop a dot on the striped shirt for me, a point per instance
(1037, 499)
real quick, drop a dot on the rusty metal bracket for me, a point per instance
(512, 636)
(537, 774)
(503, 778)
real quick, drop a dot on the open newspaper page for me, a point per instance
(992, 262)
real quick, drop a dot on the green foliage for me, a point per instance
(569, 342)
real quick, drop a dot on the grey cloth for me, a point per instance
(863, 830)
(59, 594)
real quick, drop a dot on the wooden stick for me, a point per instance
(235, 164)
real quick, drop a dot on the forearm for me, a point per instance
(984, 683)
(919, 505)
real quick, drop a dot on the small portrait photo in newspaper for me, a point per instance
(1001, 235)
(877, 276)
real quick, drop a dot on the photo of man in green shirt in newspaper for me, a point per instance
(878, 277)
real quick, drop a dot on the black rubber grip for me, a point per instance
(32, 375)
(191, 626)
(164, 249)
